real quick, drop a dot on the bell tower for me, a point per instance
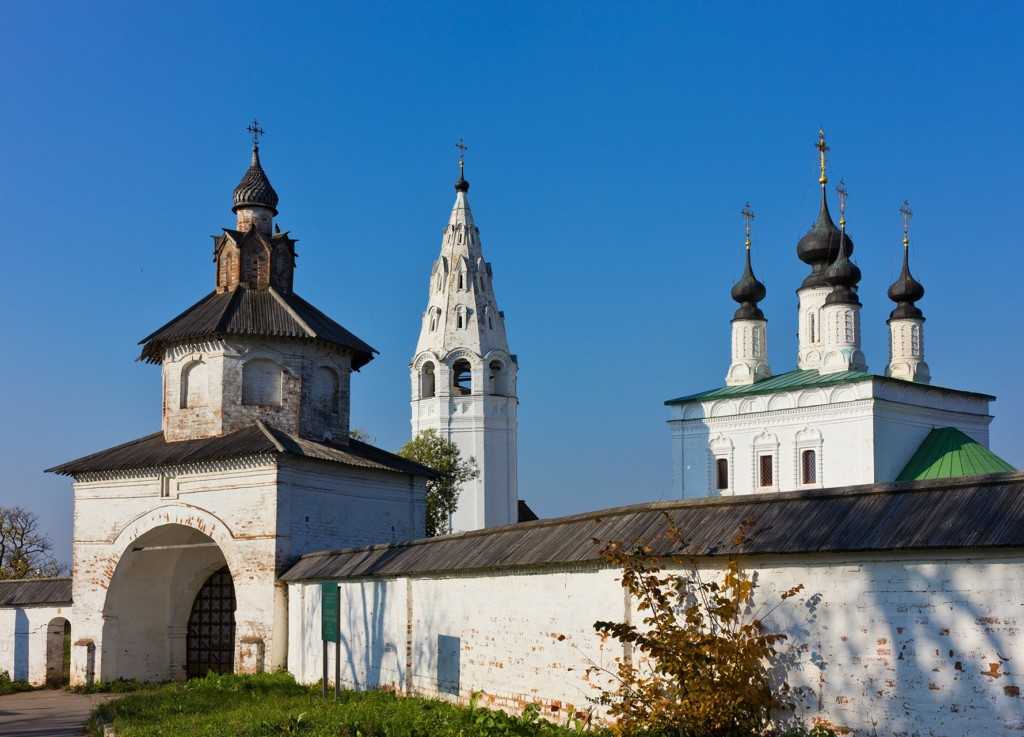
(463, 375)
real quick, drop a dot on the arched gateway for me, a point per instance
(180, 535)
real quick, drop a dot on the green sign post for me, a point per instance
(330, 627)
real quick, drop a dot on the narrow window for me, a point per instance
(427, 381)
(812, 328)
(459, 319)
(848, 323)
(915, 340)
(766, 470)
(757, 342)
(809, 467)
(721, 474)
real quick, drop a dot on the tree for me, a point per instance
(704, 663)
(453, 471)
(25, 552)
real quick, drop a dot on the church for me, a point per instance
(829, 422)
(207, 545)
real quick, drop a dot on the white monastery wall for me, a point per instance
(26, 650)
(882, 644)
(861, 433)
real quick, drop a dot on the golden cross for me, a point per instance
(748, 216)
(907, 214)
(841, 191)
(822, 150)
(255, 131)
(463, 148)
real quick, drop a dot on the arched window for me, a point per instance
(721, 474)
(460, 317)
(765, 477)
(427, 380)
(496, 376)
(325, 390)
(261, 382)
(808, 467)
(462, 280)
(193, 385)
(434, 313)
(462, 378)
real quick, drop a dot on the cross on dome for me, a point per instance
(748, 217)
(822, 150)
(255, 131)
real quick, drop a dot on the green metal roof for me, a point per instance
(782, 382)
(806, 379)
(949, 453)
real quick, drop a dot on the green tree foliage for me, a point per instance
(453, 471)
(703, 658)
(25, 552)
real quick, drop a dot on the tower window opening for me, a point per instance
(915, 340)
(462, 378)
(808, 467)
(848, 325)
(497, 377)
(812, 327)
(766, 471)
(427, 381)
(721, 474)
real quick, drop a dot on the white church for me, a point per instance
(206, 545)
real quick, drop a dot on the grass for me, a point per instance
(8, 686)
(273, 704)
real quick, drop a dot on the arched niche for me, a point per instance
(261, 382)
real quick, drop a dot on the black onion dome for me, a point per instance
(843, 276)
(820, 245)
(461, 184)
(748, 291)
(905, 291)
(255, 189)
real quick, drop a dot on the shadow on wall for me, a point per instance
(369, 620)
(21, 645)
(449, 666)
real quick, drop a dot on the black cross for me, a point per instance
(255, 130)
(463, 148)
(907, 214)
(841, 191)
(748, 217)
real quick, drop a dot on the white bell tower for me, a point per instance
(463, 375)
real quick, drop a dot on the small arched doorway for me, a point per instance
(210, 642)
(58, 652)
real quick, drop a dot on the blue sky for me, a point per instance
(612, 148)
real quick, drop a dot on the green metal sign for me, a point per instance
(330, 612)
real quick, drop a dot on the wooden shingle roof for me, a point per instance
(35, 592)
(264, 313)
(976, 512)
(153, 451)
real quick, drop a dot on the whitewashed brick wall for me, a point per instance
(884, 644)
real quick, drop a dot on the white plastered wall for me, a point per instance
(862, 433)
(23, 640)
(882, 643)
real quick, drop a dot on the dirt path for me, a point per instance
(49, 713)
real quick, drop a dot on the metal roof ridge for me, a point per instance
(269, 435)
(34, 578)
(903, 487)
(291, 311)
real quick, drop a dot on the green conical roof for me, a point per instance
(948, 453)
